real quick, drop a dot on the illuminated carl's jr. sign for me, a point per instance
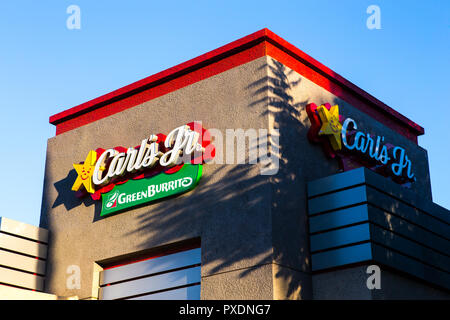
(342, 139)
(400, 164)
(102, 167)
(181, 140)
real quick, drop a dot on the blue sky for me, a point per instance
(46, 68)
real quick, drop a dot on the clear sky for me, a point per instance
(46, 68)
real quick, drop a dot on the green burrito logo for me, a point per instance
(112, 201)
(161, 166)
(137, 192)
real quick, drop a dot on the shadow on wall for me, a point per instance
(66, 196)
(289, 224)
(243, 219)
(246, 217)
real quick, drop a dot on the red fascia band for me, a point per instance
(249, 48)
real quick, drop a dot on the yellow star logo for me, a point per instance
(331, 125)
(85, 172)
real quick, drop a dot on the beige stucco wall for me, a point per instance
(253, 228)
(235, 234)
(350, 284)
(302, 161)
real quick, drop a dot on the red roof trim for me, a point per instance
(163, 76)
(333, 76)
(221, 53)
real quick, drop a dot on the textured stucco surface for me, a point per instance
(229, 209)
(351, 284)
(232, 285)
(253, 228)
(301, 161)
